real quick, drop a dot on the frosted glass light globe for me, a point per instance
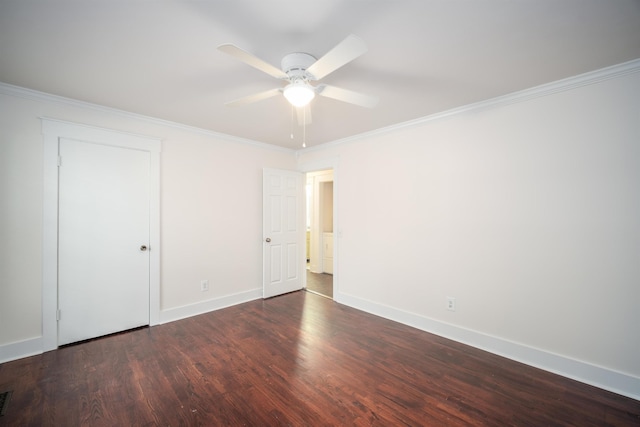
(299, 94)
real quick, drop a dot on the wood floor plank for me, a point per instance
(295, 360)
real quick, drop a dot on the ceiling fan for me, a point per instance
(299, 70)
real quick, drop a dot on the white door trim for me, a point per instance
(52, 131)
(319, 165)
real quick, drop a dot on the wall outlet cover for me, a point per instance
(451, 304)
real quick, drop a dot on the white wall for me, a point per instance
(211, 212)
(528, 213)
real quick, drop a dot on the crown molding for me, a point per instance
(34, 95)
(570, 83)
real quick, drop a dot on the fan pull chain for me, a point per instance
(304, 128)
(292, 122)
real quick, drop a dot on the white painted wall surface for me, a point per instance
(21, 192)
(527, 213)
(211, 213)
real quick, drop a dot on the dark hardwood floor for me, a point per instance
(300, 360)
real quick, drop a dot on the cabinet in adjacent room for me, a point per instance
(327, 253)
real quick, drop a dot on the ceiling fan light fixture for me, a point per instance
(299, 94)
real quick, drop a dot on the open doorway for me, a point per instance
(320, 227)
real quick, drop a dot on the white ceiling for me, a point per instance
(158, 58)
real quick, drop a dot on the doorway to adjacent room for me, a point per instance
(320, 228)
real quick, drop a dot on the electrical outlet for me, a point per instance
(204, 285)
(451, 304)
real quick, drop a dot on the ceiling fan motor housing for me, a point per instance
(296, 64)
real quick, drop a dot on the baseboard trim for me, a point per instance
(596, 376)
(20, 349)
(195, 309)
(34, 346)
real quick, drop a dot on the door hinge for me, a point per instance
(58, 313)
(59, 161)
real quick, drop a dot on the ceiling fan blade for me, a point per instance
(349, 96)
(344, 52)
(252, 60)
(254, 98)
(304, 115)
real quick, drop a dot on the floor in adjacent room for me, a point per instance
(320, 283)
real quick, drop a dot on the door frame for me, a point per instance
(320, 178)
(53, 130)
(320, 165)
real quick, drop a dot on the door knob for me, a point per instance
(268, 240)
(143, 248)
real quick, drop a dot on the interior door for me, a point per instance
(283, 229)
(103, 265)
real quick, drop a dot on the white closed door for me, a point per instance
(103, 264)
(284, 232)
